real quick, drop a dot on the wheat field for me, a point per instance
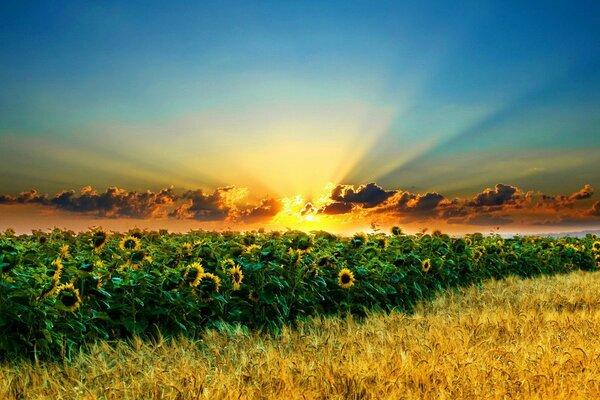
(534, 338)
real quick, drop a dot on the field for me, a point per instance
(205, 314)
(60, 290)
(532, 338)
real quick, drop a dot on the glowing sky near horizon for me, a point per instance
(284, 99)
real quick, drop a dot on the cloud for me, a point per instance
(412, 207)
(336, 208)
(584, 193)
(267, 209)
(308, 209)
(368, 196)
(31, 197)
(498, 197)
(594, 211)
(113, 203)
(503, 204)
(559, 202)
(220, 205)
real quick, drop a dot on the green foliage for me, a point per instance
(59, 291)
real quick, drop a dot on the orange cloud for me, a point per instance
(501, 205)
(561, 201)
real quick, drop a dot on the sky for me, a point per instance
(340, 115)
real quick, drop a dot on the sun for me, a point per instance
(309, 217)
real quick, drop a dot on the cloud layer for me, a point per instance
(500, 205)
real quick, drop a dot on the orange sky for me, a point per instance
(341, 209)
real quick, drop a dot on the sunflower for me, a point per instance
(227, 264)
(99, 239)
(596, 246)
(186, 248)
(64, 251)
(237, 276)
(251, 249)
(136, 233)
(253, 297)
(312, 271)
(130, 243)
(193, 274)
(68, 296)
(58, 265)
(345, 278)
(211, 283)
(426, 265)
(359, 239)
(128, 266)
(382, 242)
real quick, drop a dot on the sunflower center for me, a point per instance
(345, 278)
(68, 299)
(99, 239)
(129, 244)
(210, 284)
(192, 274)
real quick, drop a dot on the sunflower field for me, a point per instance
(61, 290)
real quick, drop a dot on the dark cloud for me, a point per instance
(594, 211)
(498, 197)
(371, 197)
(500, 205)
(368, 196)
(31, 197)
(584, 193)
(201, 206)
(426, 202)
(267, 209)
(113, 203)
(413, 207)
(336, 208)
(7, 199)
(561, 201)
(220, 205)
(308, 209)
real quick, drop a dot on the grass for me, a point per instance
(533, 338)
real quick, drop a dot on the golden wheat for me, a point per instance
(536, 338)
